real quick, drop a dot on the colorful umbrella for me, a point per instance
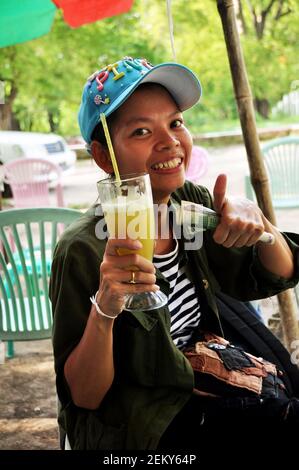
(22, 20)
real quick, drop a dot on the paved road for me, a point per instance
(80, 187)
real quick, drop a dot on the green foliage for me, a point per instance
(272, 60)
(49, 73)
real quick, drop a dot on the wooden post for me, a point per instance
(1, 185)
(258, 173)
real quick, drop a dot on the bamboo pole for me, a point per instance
(258, 173)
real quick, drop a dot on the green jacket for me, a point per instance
(153, 379)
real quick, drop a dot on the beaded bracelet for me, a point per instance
(93, 300)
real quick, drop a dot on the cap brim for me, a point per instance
(180, 81)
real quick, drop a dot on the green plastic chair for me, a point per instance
(281, 157)
(27, 241)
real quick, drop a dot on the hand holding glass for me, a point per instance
(129, 213)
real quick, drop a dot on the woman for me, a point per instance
(122, 378)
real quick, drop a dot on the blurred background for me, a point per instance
(42, 79)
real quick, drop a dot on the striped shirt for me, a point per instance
(183, 301)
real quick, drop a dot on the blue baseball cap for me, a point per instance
(108, 88)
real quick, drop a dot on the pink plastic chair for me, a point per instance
(29, 179)
(198, 165)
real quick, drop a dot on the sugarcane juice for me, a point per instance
(131, 218)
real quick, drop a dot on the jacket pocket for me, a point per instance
(135, 357)
(100, 436)
(86, 431)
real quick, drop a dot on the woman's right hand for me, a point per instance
(115, 275)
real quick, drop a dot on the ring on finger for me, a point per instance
(132, 280)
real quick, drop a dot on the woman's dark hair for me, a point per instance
(98, 132)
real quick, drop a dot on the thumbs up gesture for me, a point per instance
(241, 222)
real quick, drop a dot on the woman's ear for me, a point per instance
(101, 156)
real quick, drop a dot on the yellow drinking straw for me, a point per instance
(111, 151)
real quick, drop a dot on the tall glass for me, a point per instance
(129, 213)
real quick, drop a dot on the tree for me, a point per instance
(44, 78)
(263, 12)
(7, 118)
(269, 32)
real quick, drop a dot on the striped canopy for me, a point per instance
(22, 20)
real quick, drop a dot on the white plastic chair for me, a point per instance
(198, 165)
(29, 180)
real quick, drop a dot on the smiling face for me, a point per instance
(148, 135)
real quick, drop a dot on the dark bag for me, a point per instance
(223, 370)
(245, 330)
